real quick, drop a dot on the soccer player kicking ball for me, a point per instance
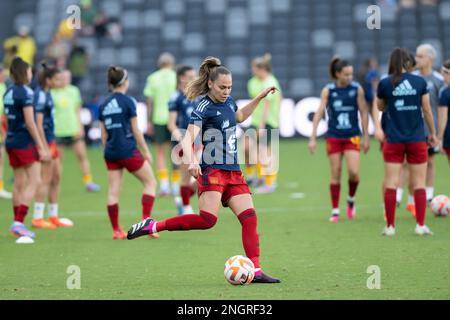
(120, 134)
(220, 180)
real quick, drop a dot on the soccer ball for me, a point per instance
(440, 206)
(239, 270)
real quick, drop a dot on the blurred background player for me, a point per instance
(264, 120)
(51, 170)
(69, 130)
(217, 182)
(444, 105)
(369, 78)
(23, 143)
(180, 109)
(158, 90)
(405, 99)
(3, 193)
(120, 137)
(342, 99)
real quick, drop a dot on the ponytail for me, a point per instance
(336, 65)
(116, 77)
(210, 69)
(47, 72)
(397, 62)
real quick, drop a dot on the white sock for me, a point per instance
(399, 194)
(351, 199)
(39, 210)
(410, 199)
(430, 193)
(164, 185)
(52, 209)
(154, 228)
(335, 212)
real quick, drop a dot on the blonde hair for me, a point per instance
(264, 62)
(210, 69)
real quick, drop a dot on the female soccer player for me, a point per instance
(264, 120)
(219, 177)
(51, 170)
(180, 109)
(405, 100)
(342, 99)
(24, 145)
(3, 193)
(120, 137)
(444, 105)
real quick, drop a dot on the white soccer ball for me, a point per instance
(440, 206)
(239, 270)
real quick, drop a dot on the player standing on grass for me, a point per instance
(3, 193)
(51, 170)
(444, 105)
(23, 143)
(120, 137)
(342, 99)
(405, 100)
(219, 177)
(180, 109)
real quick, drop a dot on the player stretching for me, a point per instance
(51, 170)
(444, 105)
(405, 100)
(180, 109)
(342, 99)
(219, 177)
(120, 134)
(23, 144)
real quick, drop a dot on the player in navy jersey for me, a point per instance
(342, 100)
(406, 102)
(219, 177)
(23, 144)
(121, 138)
(51, 170)
(444, 107)
(180, 109)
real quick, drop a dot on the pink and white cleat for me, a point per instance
(334, 218)
(351, 211)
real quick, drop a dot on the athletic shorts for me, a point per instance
(19, 158)
(67, 141)
(336, 145)
(415, 153)
(162, 134)
(132, 164)
(54, 151)
(447, 151)
(228, 183)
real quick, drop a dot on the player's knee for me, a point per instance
(209, 219)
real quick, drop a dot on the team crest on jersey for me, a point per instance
(334, 95)
(352, 93)
(225, 124)
(337, 103)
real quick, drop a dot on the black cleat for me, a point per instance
(263, 278)
(143, 228)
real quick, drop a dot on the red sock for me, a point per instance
(113, 212)
(420, 199)
(250, 238)
(390, 197)
(22, 212)
(203, 221)
(352, 187)
(147, 205)
(186, 194)
(16, 209)
(193, 190)
(335, 190)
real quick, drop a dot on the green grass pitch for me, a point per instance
(314, 259)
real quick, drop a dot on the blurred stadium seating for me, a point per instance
(302, 35)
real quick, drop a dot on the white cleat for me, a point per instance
(423, 231)
(25, 240)
(389, 231)
(5, 194)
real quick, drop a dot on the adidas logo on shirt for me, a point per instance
(112, 108)
(404, 89)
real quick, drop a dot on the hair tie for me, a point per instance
(124, 78)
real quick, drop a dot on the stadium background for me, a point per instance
(301, 35)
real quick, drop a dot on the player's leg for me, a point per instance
(163, 174)
(404, 179)
(250, 156)
(53, 197)
(114, 185)
(41, 196)
(335, 184)
(430, 178)
(209, 203)
(242, 206)
(391, 179)
(186, 190)
(79, 148)
(3, 193)
(418, 173)
(147, 178)
(353, 160)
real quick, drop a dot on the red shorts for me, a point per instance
(447, 151)
(228, 183)
(335, 145)
(132, 164)
(54, 151)
(23, 157)
(416, 152)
